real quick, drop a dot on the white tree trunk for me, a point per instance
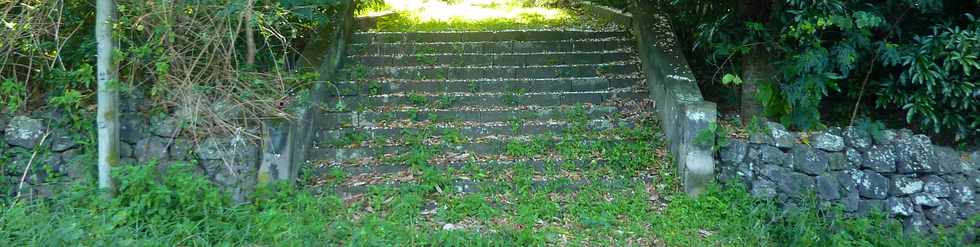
(108, 93)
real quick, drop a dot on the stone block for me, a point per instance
(944, 214)
(857, 138)
(763, 188)
(827, 187)
(873, 185)
(771, 155)
(906, 185)
(827, 141)
(151, 149)
(914, 154)
(24, 132)
(837, 161)
(809, 161)
(61, 140)
(879, 159)
(734, 153)
(900, 206)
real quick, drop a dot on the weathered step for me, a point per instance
(497, 59)
(465, 132)
(492, 47)
(372, 119)
(392, 86)
(536, 165)
(464, 185)
(487, 72)
(494, 147)
(442, 101)
(516, 35)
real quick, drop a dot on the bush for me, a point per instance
(918, 57)
(939, 86)
(188, 57)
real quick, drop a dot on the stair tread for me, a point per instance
(504, 35)
(538, 165)
(474, 186)
(468, 114)
(491, 47)
(394, 101)
(487, 147)
(461, 134)
(470, 95)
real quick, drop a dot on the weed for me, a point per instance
(453, 136)
(425, 60)
(528, 149)
(472, 205)
(375, 88)
(446, 101)
(472, 87)
(417, 99)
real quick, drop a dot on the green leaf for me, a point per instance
(866, 20)
(731, 79)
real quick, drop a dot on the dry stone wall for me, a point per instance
(228, 161)
(894, 171)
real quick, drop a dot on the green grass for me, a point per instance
(731, 217)
(469, 15)
(406, 23)
(184, 209)
(515, 206)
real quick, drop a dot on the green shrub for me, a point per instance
(918, 57)
(939, 86)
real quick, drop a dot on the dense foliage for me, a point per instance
(213, 62)
(919, 57)
(939, 83)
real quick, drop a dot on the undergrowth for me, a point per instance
(153, 207)
(732, 217)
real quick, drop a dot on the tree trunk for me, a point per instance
(755, 64)
(249, 34)
(755, 71)
(107, 120)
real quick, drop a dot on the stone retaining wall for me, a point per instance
(895, 171)
(228, 161)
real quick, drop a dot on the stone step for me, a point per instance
(487, 72)
(445, 101)
(491, 147)
(492, 47)
(393, 86)
(497, 59)
(536, 165)
(461, 133)
(373, 119)
(516, 35)
(468, 185)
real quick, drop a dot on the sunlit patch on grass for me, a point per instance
(469, 15)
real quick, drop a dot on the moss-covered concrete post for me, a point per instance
(276, 162)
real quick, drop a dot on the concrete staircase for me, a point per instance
(491, 100)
